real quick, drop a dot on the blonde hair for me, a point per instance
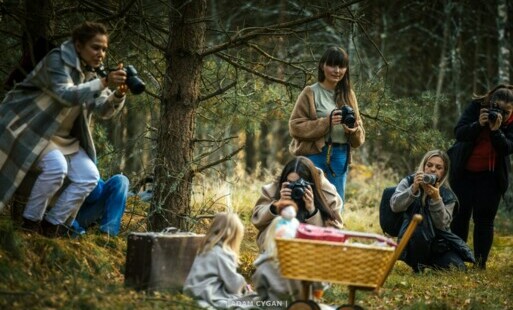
(445, 159)
(447, 165)
(227, 230)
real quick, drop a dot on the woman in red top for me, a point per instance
(484, 133)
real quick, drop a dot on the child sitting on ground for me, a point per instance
(213, 278)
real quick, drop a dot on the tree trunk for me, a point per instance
(138, 148)
(456, 57)
(503, 63)
(442, 67)
(250, 156)
(264, 155)
(477, 51)
(503, 42)
(174, 169)
(37, 28)
(36, 20)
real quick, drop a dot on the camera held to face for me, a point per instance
(348, 117)
(133, 82)
(493, 114)
(429, 178)
(298, 188)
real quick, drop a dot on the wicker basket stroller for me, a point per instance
(359, 266)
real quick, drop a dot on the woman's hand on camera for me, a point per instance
(432, 191)
(483, 117)
(484, 120)
(336, 117)
(349, 130)
(116, 78)
(285, 191)
(417, 180)
(497, 124)
(308, 198)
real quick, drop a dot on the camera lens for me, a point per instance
(492, 116)
(429, 179)
(134, 83)
(297, 193)
(348, 116)
(349, 120)
(298, 189)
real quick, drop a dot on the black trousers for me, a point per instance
(479, 197)
(449, 259)
(440, 261)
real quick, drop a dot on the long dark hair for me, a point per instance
(306, 170)
(336, 56)
(500, 92)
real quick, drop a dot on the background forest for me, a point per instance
(221, 80)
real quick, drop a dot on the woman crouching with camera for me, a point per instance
(317, 199)
(45, 121)
(427, 192)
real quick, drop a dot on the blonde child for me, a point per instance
(213, 278)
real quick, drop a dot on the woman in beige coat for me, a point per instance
(317, 199)
(325, 122)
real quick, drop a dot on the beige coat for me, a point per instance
(263, 216)
(308, 132)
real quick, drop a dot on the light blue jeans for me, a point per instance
(105, 204)
(339, 165)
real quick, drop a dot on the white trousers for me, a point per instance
(83, 176)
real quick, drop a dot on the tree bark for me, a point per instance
(503, 42)
(174, 167)
(37, 27)
(250, 156)
(442, 67)
(503, 62)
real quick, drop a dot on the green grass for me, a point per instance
(88, 273)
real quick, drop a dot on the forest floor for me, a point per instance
(88, 272)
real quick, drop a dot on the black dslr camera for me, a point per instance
(347, 116)
(133, 82)
(493, 113)
(298, 188)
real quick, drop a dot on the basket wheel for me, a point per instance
(304, 305)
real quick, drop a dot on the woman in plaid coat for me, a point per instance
(44, 124)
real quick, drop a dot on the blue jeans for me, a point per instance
(105, 204)
(338, 164)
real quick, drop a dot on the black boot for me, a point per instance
(31, 226)
(50, 230)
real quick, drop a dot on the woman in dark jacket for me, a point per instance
(484, 140)
(427, 192)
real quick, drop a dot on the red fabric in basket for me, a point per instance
(312, 232)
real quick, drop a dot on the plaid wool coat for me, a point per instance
(33, 111)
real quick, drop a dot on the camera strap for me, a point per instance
(330, 147)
